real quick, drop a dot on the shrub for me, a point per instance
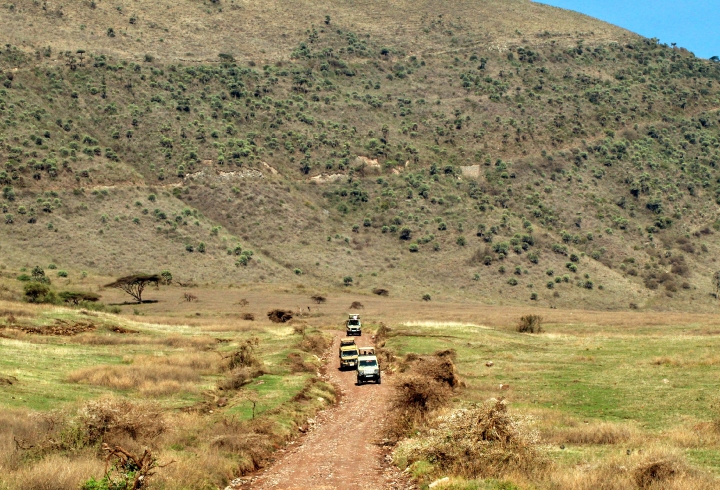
(36, 292)
(533, 296)
(280, 316)
(347, 280)
(413, 247)
(461, 241)
(405, 233)
(512, 281)
(62, 273)
(76, 297)
(530, 324)
(479, 442)
(381, 292)
(297, 271)
(426, 297)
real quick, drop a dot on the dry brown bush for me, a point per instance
(426, 385)
(111, 420)
(381, 292)
(356, 305)
(239, 377)
(383, 332)
(249, 317)
(280, 316)
(317, 298)
(648, 474)
(479, 442)
(315, 343)
(298, 365)
(530, 324)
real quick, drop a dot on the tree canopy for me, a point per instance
(135, 285)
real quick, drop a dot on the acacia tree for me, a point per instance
(136, 284)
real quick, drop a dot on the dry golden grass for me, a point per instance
(656, 467)
(55, 472)
(157, 375)
(595, 433)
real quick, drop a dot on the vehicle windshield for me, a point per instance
(370, 363)
(349, 353)
(353, 322)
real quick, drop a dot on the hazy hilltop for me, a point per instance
(269, 31)
(505, 152)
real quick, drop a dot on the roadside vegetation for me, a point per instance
(212, 403)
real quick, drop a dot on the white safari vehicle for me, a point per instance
(353, 326)
(368, 369)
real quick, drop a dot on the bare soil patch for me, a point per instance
(60, 328)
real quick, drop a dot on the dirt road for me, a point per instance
(342, 450)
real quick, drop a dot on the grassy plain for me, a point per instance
(597, 389)
(597, 384)
(234, 418)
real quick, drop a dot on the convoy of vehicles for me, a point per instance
(363, 359)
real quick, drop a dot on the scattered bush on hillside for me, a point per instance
(319, 299)
(356, 305)
(530, 324)
(77, 297)
(381, 292)
(36, 292)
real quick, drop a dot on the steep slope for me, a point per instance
(509, 152)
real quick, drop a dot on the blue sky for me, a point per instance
(692, 24)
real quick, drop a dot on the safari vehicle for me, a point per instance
(353, 326)
(348, 356)
(368, 369)
(367, 351)
(346, 342)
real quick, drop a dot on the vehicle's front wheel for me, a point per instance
(378, 381)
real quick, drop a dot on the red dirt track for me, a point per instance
(343, 447)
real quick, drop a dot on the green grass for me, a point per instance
(269, 391)
(605, 376)
(41, 370)
(659, 380)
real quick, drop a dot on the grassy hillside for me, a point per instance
(509, 153)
